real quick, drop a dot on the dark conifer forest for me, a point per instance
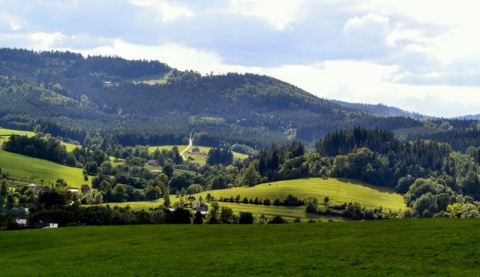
(148, 102)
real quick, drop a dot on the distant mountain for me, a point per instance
(381, 109)
(469, 117)
(148, 102)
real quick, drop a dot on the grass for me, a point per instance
(339, 191)
(70, 146)
(8, 132)
(158, 79)
(200, 159)
(137, 205)
(34, 170)
(443, 247)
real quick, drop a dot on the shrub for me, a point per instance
(277, 220)
(246, 218)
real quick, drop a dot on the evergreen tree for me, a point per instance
(166, 200)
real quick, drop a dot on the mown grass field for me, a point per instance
(200, 158)
(415, 247)
(5, 133)
(159, 79)
(8, 132)
(34, 170)
(339, 191)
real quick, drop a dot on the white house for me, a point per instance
(199, 206)
(33, 187)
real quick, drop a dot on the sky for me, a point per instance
(420, 56)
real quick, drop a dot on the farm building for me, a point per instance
(43, 189)
(199, 206)
(85, 189)
(73, 190)
(156, 171)
(33, 187)
(152, 163)
(21, 222)
(195, 150)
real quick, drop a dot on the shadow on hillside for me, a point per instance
(367, 185)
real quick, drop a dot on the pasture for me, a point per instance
(198, 158)
(26, 170)
(7, 132)
(413, 247)
(339, 191)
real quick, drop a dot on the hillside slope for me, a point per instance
(123, 98)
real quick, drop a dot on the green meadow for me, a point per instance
(8, 132)
(413, 247)
(339, 191)
(26, 170)
(198, 158)
(5, 133)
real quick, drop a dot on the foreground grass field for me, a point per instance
(440, 247)
(34, 170)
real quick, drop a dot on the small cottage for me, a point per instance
(199, 206)
(73, 190)
(85, 189)
(33, 187)
(195, 150)
(152, 163)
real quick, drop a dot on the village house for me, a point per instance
(21, 222)
(152, 163)
(195, 150)
(199, 206)
(156, 171)
(73, 190)
(43, 190)
(85, 189)
(33, 187)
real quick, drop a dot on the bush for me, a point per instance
(277, 220)
(246, 218)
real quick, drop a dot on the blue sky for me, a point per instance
(421, 56)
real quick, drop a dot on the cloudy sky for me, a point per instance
(421, 56)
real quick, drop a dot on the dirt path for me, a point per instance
(190, 143)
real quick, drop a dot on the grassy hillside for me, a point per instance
(443, 247)
(6, 133)
(339, 191)
(34, 170)
(198, 158)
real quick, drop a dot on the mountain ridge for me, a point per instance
(69, 95)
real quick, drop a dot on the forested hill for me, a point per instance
(381, 109)
(148, 102)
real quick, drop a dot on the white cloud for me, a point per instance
(167, 11)
(37, 41)
(367, 34)
(280, 14)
